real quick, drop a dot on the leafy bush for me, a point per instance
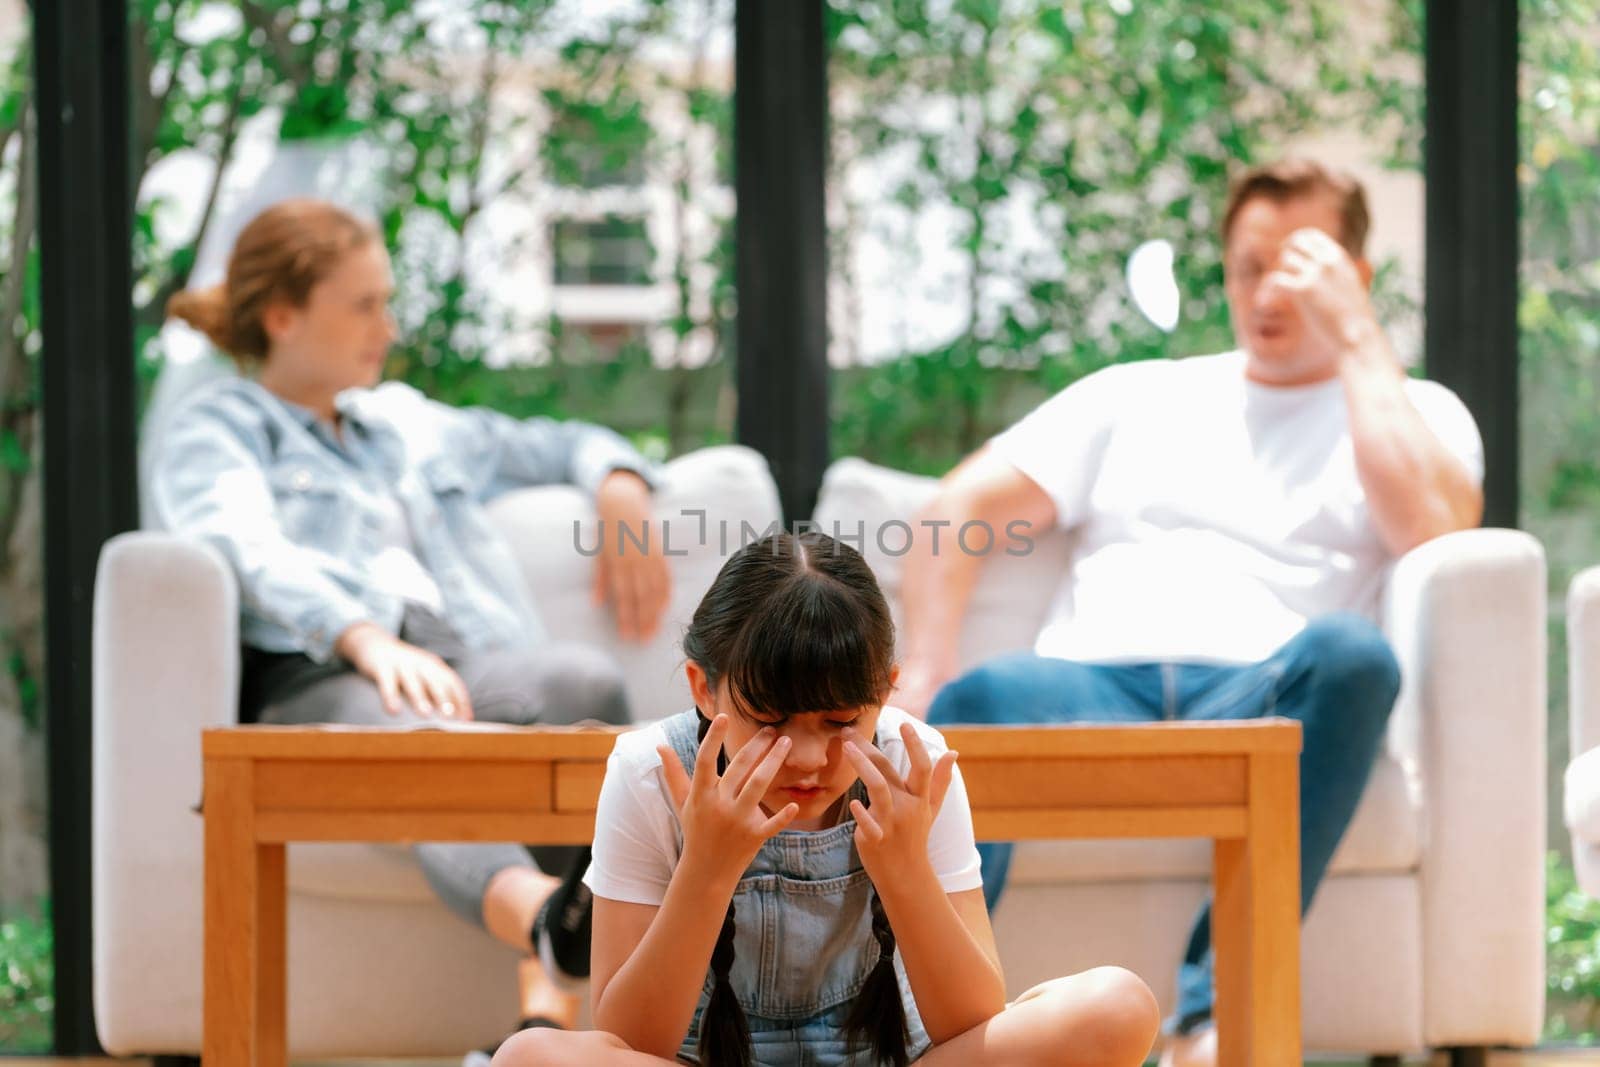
(27, 982)
(1050, 141)
(1572, 956)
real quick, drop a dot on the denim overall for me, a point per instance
(803, 943)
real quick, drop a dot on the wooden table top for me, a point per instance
(543, 743)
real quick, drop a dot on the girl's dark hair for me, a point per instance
(796, 623)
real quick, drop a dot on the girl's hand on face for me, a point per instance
(893, 832)
(723, 822)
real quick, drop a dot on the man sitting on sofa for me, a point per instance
(1234, 517)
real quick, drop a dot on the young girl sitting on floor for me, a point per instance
(786, 874)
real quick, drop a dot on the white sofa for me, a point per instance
(1429, 930)
(1582, 785)
(376, 965)
(1428, 933)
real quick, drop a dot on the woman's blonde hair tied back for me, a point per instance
(279, 256)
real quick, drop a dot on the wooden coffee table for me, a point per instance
(265, 786)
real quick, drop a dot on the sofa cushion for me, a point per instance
(869, 506)
(704, 498)
(1582, 800)
(1586, 862)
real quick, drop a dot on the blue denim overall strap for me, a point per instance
(803, 944)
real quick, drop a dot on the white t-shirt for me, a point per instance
(635, 825)
(1215, 516)
(395, 567)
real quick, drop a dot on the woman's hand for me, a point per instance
(638, 583)
(723, 821)
(399, 670)
(893, 833)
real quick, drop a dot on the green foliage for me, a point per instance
(599, 142)
(1559, 353)
(462, 135)
(1103, 155)
(27, 981)
(1559, 315)
(1572, 956)
(13, 456)
(27, 685)
(1104, 126)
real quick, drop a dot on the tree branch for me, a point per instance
(20, 74)
(147, 107)
(6, 133)
(153, 311)
(480, 138)
(11, 285)
(14, 415)
(283, 50)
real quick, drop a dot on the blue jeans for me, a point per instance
(1338, 678)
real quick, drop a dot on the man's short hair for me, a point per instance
(1292, 179)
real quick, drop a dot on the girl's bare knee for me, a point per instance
(530, 1047)
(550, 1048)
(1124, 1014)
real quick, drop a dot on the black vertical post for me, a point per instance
(780, 120)
(90, 493)
(1470, 148)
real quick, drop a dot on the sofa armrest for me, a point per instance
(1466, 616)
(1583, 661)
(166, 666)
(1581, 788)
(875, 510)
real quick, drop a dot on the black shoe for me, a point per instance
(480, 1057)
(560, 933)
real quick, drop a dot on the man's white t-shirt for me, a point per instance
(1214, 516)
(636, 836)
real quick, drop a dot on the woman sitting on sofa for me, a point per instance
(373, 588)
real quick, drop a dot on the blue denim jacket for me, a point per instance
(289, 504)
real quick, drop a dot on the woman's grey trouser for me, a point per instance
(557, 683)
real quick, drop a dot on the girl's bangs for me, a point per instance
(811, 650)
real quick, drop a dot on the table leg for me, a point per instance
(1275, 876)
(272, 947)
(245, 983)
(1256, 923)
(1230, 948)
